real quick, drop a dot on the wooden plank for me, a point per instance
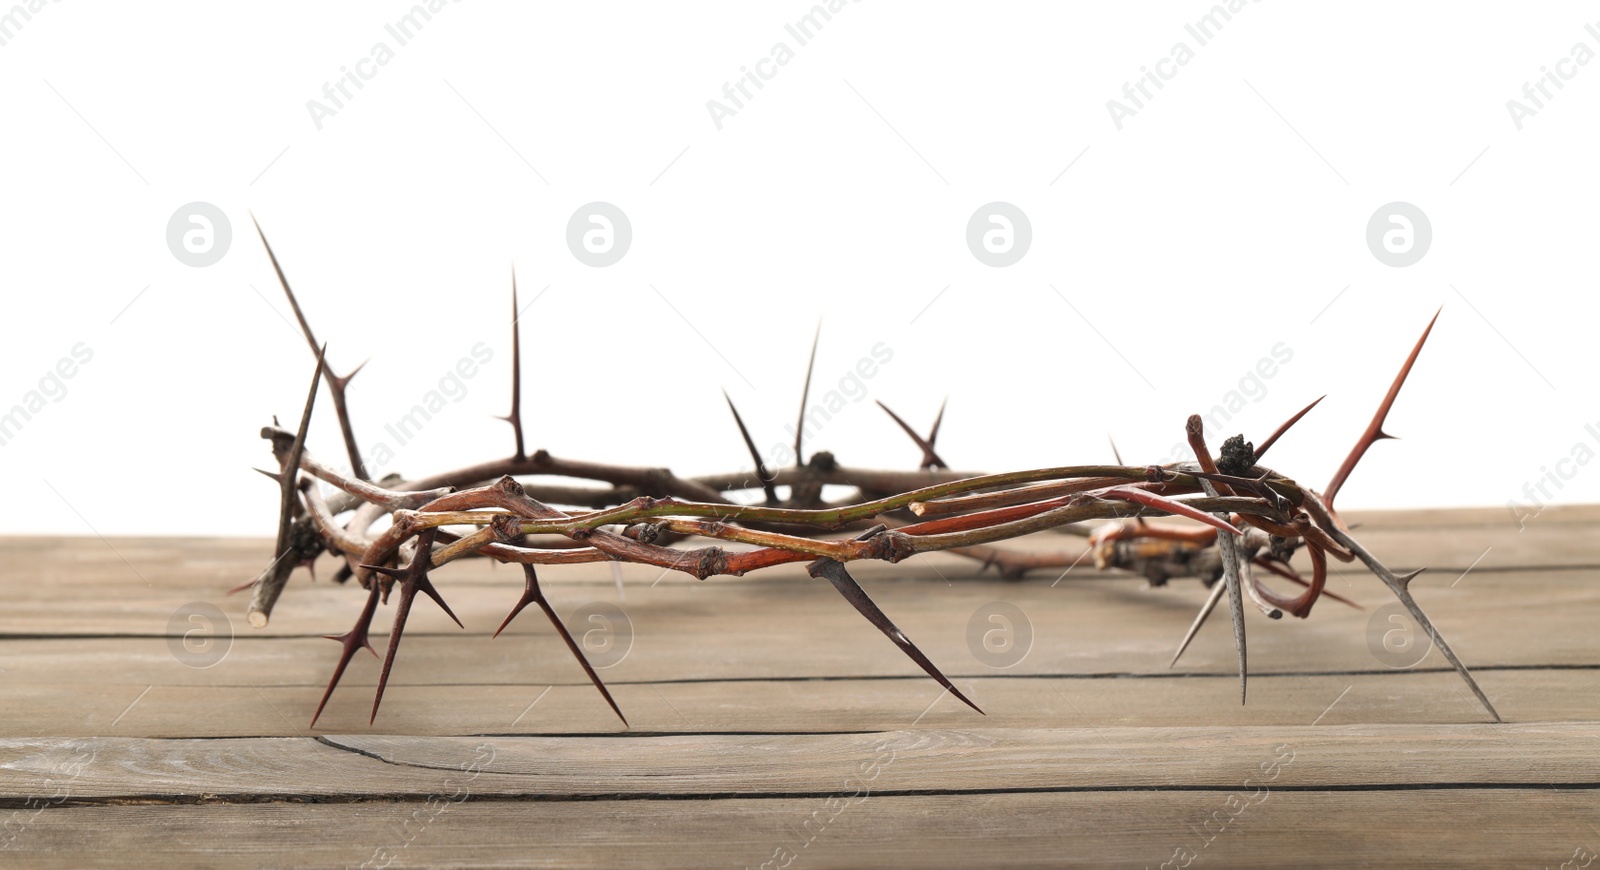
(1543, 618)
(351, 767)
(789, 706)
(754, 700)
(1466, 828)
(746, 632)
(40, 609)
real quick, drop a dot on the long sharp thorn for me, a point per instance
(1227, 548)
(353, 372)
(532, 594)
(1273, 438)
(767, 485)
(1217, 589)
(402, 611)
(528, 597)
(425, 585)
(836, 574)
(938, 420)
(1230, 574)
(336, 384)
(411, 580)
(1375, 428)
(930, 459)
(572, 645)
(805, 395)
(272, 580)
(352, 641)
(1401, 587)
(515, 417)
(294, 303)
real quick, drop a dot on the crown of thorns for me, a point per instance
(1246, 517)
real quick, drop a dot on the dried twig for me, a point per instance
(270, 584)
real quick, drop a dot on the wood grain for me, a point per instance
(759, 707)
(1488, 828)
(346, 768)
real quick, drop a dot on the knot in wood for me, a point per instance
(1237, 458)
(644, 533)
(405, 521)
(891, 546)
(507, 528)
(710, 561)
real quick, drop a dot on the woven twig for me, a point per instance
(1245, 516)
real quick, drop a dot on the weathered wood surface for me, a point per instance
(770, 724)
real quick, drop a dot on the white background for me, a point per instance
(1221, 220)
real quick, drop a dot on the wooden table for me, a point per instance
(772, 726)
